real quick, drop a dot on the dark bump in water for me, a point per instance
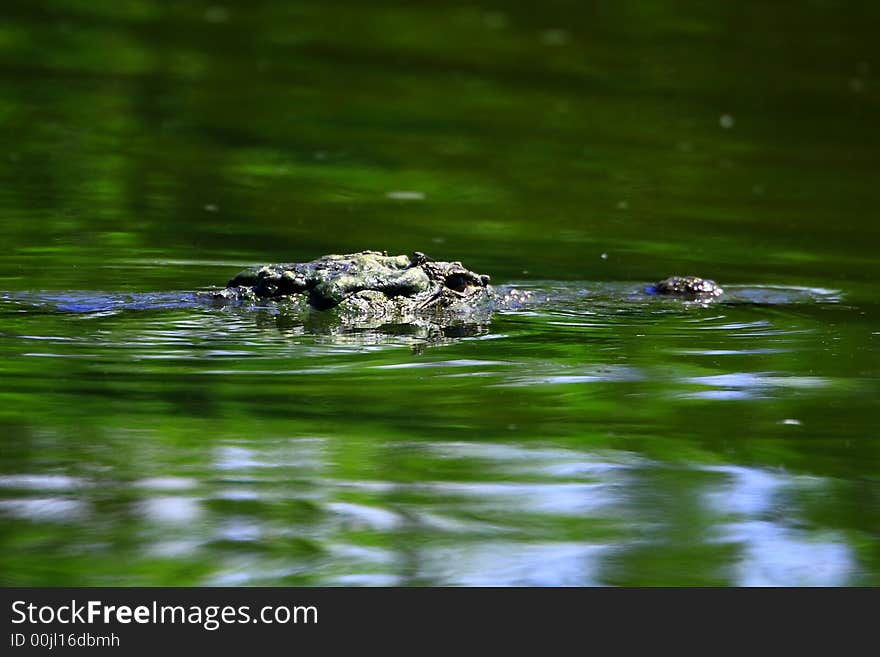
(686, 287)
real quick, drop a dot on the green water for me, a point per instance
(581, 149)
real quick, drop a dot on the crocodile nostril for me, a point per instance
(457, 282)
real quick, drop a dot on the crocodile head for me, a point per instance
(369, 283)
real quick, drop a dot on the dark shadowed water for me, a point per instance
(579, 150)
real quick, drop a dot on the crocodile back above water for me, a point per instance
(375, 284)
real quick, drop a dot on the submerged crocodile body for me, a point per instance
(375, 285)
(370, 297)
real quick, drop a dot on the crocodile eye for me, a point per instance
(457, 282)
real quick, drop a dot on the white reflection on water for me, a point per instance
(495, 563)
(758, 380)
(772, 553)
(36, 506)
(171, 509)
(44, 482)
(368, 517)
(461, 362)
(556, 462)
(749, 385)
(366, 579)
(498, 536)
(237, 529)
(603, 374)
(45, 509)
(553, 498)
(505, 514)
(750, 491)
(167, 483)
(780, 556)
(304, 453)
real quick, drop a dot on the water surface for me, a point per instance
(581, 151)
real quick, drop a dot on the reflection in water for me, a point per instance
(776, 552)
(749, 385)
(171, 510)
(228, 319)
(777, 556)
(542, 452)
(224, 331)
(56, 509)
(492, 563)
(501, 528)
